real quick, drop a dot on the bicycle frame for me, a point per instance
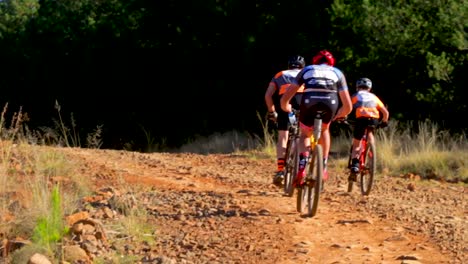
(367, 163)
(292, 158)
(309, 193)
(362, 153)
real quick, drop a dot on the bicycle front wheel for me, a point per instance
(292, 160)
(301, 198)
(314, 182)
(370, 166)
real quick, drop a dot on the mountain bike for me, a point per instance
(367, 161)
(292, 156)
(308, 193)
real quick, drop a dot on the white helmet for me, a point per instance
(364, 82)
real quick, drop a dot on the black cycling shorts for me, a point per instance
(283, 118)
(318, 101)
(361, 125)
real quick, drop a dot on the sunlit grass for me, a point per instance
(31, 205)
(428, 152)
(402, 148)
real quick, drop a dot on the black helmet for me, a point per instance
(296, 62)
(364, 82)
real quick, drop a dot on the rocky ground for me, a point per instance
(223, 209)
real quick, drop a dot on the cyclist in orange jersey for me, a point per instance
(324, 87)
(276, 88)
(367, 107)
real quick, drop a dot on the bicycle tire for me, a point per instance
(301, 196)
(350, 185)
(350, 182)
(291, 167)
(369, 168)
(314, 187)
(286, 165)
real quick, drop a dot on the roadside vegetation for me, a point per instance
(35, 171)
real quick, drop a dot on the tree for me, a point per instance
(418, 47)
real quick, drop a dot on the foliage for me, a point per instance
(51, 228)
(414, 51)
(15, 15)
(419, 45)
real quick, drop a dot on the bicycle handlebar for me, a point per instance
(353, 123)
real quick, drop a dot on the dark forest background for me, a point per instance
(172, 69)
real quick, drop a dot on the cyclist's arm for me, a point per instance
(381, 107)
(287, 96)
(269, 97)
(385, 113)
(346, 106)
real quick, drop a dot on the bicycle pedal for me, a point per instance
(309, 181)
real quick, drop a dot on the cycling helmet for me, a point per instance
(324, 56)
(364, 82)
(296, 62)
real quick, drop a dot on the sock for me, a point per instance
(303, 160)
(280, 163)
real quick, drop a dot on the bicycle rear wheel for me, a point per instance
(292, 160)
(314, 181)
(369, 168)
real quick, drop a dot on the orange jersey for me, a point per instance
(366, 104)
(282, 80)
(285, 87)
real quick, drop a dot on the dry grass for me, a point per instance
(429, 152)
(31, 165)
(38, 184)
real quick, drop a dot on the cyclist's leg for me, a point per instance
(281, 144)
(328, 109)
(281, 148)
(373, 122)
(303, 148)
(358, 133)
(325, 142)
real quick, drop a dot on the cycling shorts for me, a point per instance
(318, 101)
(361, 125)
(283, 118)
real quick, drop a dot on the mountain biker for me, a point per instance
(367, 107)
(276, 88)
(324, 87)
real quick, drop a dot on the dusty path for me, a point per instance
(223, 209)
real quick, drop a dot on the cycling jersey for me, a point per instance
(366, 104)
(321, 86)
(282, 80)
(321, 78)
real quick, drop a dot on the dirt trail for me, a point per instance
(224, 209)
